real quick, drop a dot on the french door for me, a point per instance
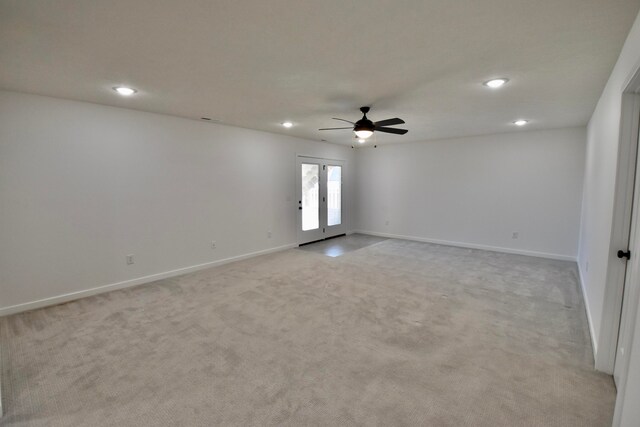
(320, 198)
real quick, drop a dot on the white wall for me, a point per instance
(596, 257)
(477, 191)
(83, 185)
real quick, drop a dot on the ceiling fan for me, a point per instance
(364, 127)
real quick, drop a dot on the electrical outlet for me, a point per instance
(213, 244)
(515, 235)
(130, 259)
(268, 234)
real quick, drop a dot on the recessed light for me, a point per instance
(287, 124)
(495, 83)
(124, 91)
(362, 141)
(521, 122)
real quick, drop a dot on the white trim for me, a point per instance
(320, 158)
(585, 298)
(18, 308)
(471, 246)
(1, 411)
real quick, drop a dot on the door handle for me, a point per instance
(623, 254)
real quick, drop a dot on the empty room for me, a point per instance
(327, 213)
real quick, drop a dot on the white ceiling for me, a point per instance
(257, 63)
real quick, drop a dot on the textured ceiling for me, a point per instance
(257, 63)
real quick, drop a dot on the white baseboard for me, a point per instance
(59, 299)
(594, 340)
(472, 246)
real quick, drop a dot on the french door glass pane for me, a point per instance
(310, 196)
(334, 195)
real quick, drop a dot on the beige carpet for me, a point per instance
(395, 334)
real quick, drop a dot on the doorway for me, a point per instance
(320, 198)
(632, 264)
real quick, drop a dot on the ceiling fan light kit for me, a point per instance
(364, 127)
(363, 133)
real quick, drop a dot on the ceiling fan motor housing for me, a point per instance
(364, 124)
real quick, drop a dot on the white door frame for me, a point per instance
(620, 230)
(324, 231)
(622, 294)
(630, 285)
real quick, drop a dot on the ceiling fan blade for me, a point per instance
(343, 120)
(389, 122)
(335, 128)
(392, 130)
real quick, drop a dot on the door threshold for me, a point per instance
(322, 240)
